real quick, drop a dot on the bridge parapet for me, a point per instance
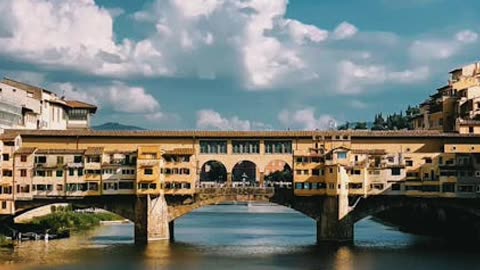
(258, 191)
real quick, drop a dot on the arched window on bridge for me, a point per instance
(245, 173)
(278, 173)
(213, 172)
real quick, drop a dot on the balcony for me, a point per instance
(75, 165)
(93, 166)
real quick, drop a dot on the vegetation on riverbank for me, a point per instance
(65, 219)
(4, 242)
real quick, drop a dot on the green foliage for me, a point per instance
(395, 121)
(361, 125)
(64, 219)
(4, 242)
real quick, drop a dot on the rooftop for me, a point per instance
(230, 134)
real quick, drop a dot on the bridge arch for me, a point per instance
(377, 204)
(213, 171)
(245, 172)
(278, 173)
(123, 205)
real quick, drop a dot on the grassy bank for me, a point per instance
(4, 242)
(65, 219)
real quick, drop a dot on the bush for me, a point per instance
(60, 221)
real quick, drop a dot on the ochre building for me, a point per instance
(80, 163)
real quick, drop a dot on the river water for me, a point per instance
(235, 237)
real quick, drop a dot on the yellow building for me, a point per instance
(42, 164)
(454, 107)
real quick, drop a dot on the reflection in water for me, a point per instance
(230, 237)
(344, 259)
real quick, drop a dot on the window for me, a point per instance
(246, 147)
(128, 171)
(23, 173)
(60, 160)
(298, 172)
(470, 130)
(78, 114)
(341, 155)
(59, 187)
(148, 171)
(396, 171)
(77, 159)
(71, 172)
(4, 205)
(5, 157)
(316, 172)
(428, 160)
(305, 172)
(41, 159)
(409, 163)
(213, 147)
(93, 186)
(278, 147)
(448, 187)
(396, 187)
(40, 173)
(23, 158)
(94, 159)
(125, 185)
(49, 173)
(80, 172)
(298, 186)
(59, 173)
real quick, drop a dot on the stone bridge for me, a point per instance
(335, 216)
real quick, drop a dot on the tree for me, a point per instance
(361, 125)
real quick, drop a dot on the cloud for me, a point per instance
(305, 119)
(466, 36)
(253, 42)
(116, 96)
(210, 119)
(442, 48)
(354, 77)
(345, 30)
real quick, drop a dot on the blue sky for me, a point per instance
(238, 64)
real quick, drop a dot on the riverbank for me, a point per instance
(61, 221)
(5, 242)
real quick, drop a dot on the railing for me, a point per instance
(236, 191)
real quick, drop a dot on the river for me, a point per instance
(234, 237)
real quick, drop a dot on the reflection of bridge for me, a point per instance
(335, 216)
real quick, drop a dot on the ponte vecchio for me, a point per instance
(155, 177)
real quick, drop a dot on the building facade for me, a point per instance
(23, 106)
(454, 107)
(80, 163)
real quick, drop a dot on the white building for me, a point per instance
(23, 106)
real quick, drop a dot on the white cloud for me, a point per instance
(210, 119)
(117, 97)
(466, 36)
(301, 33)
(253, 41)
(345, 30)
(354, 78)
(442, 48)
(305, 119)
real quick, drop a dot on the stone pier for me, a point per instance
(333, 225)
(151, 219)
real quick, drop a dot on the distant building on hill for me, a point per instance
(454, 107)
